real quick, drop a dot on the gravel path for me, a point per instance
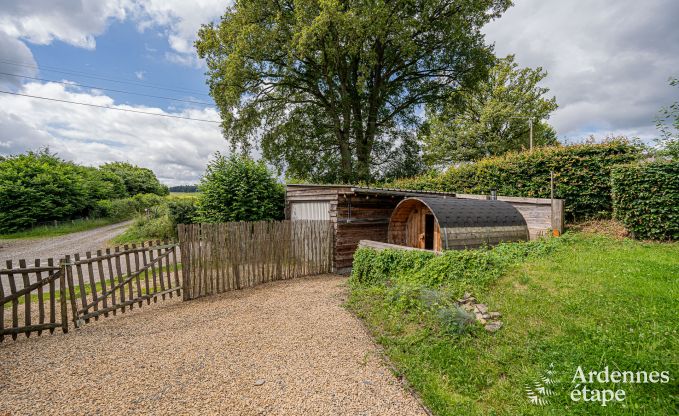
(283, 348)
(44, 248)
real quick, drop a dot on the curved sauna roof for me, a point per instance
(461, 223)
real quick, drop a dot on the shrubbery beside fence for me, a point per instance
(581, 176)
(646, 199)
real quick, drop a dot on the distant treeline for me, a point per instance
(184, 188)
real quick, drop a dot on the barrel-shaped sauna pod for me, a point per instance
(442, 223)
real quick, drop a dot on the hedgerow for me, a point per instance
(36, 187)
(581, 175)
(646, 199)
(456, 270)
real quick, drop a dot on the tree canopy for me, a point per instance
(325, 88)
(137, 180)
(492, 118)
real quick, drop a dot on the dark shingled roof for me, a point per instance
(455, 212)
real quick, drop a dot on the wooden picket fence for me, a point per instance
(221, 257)
(215, 258)
(106, 282)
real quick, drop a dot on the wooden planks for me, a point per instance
(222, 257)
(93, 286)
(36, 291)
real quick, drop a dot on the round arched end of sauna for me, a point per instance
(437, 223)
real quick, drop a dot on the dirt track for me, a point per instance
(44, 248)
(283, 348)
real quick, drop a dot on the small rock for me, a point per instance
(482, 308)
(483, 321)
(467, 295)
(485, 316)
(493, 326)
(495, 315)
(259, 382)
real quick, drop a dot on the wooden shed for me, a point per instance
(362, 213)
(436, 223)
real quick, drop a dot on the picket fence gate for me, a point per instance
(74, 290)
(108, 282)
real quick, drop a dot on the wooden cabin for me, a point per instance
(362, 213)
(447, 223)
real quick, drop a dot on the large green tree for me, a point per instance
(492, 118)
(137, 180)
(324, 86)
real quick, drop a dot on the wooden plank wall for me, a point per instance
(222, 257)
(360, 217)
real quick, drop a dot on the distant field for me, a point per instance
(184, 194)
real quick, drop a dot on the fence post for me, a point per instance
(71, 290)
(186, 265)
(62, 295)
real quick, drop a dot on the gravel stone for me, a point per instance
(202, 356)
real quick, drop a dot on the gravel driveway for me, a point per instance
(30, 249)
(283, 348)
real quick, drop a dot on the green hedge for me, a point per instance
(458, 270)
(646, 199)
(582, 176)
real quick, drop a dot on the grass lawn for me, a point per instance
(61, 229)
(594, 302)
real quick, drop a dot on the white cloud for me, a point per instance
(78, 23)
(139, 74)
(176, 150)
(14, 50)
(608, 62)
(74, 22)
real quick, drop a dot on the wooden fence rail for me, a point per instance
(108, 282)
(222, 257)
(214, 258)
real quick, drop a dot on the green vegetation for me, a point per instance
(582, 176)
(579, 300)
(646, 199)
(237, 188)
(39, 187)
(160, 221)
(68, 227)
(325, 87)
(491, 119)
(137, 180)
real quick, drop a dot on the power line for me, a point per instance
(109, 108)
(82, 74)
(105, 89)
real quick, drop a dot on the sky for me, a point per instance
(608, 64)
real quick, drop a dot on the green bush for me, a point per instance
(646, 199)
(581, 174)
(182, 210)
(37, 187)
(237, 188)
(125, 208)
(457, 270)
